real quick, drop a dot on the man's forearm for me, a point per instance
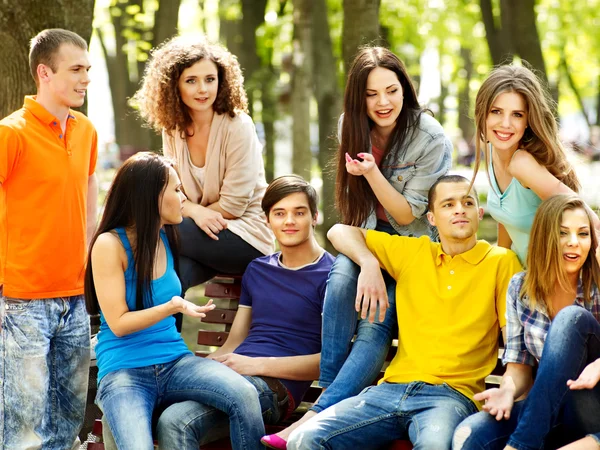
(304, 367)
(351, 242)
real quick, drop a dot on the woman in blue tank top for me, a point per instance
(525, 160)
(132, 281)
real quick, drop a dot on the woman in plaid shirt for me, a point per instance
(556, 305)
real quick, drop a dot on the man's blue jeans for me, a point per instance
(44, 365)
(128, 398)
(186, 425)
(424, 413)
(346, 372)
(573, 342)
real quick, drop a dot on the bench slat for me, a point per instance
(213, 338)
(223, 290)
(220, 316)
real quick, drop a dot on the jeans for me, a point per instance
(424, 413)
(201, 257)
(186, 425)
(573, 341)
(129, 397)
(44, 365)
(344, 371)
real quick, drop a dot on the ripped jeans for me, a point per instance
(573, 341)
(44, 364)
(426, 414)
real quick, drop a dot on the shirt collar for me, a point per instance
(473, 256)
(42, 113)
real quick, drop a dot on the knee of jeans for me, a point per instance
(461, 434)
(571, 316)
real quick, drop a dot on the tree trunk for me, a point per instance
(301, 89)
(361, 26)
(19, 22)
(525, 36)
(497, 36)
(329, 102)
(573, 86)
(465, 122)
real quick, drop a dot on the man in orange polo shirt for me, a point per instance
(48, 195)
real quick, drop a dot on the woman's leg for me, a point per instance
(202, 257)
(127, 398)
(214, 384)
(345, 375)
(572, 342)
(482, 431)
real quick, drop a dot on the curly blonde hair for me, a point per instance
(159, 100)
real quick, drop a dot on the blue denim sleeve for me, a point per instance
(515, 350)
(433, 162)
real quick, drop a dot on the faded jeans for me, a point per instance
(129, 397)
(346, 371)
(424, 413)
(44, 365)
(573, 341)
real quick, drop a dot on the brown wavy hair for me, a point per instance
(354, 198)
(544, 257)
(541, 137)
(159, 100)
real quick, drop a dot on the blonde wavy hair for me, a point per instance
(159, 100)
(545, 268)
(541, 137)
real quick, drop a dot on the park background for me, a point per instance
(295, 55)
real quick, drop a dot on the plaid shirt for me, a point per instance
(526, 328)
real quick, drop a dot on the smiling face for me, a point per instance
(291, 221)
(67, 85)
(506, 122)
(198, 86)
(575, 239)
(171, 201)
(455, 212)
(384, 98)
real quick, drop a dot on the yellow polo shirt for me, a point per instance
(450, 309)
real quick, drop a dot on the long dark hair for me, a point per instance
(354, 197)
(133, 202)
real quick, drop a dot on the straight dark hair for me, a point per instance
(133, 202)
(353, 196)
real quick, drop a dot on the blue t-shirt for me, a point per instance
(158, 344)
(286, 311)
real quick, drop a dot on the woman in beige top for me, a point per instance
(193, 93)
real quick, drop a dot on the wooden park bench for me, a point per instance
(225, 292)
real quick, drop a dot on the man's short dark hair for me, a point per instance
(448, 179)
(286, 185)
(44, 47)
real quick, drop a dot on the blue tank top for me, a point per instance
(515, 209)
(158, 344)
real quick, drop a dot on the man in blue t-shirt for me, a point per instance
(275, 339)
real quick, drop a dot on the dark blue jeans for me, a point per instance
(573, 342)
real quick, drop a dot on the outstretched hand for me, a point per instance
(357, 167)
(588, 378)
(188, 308)
(497, 401)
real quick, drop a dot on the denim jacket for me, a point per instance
(412, 170)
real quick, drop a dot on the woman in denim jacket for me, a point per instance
(390, 153)
(552, 321)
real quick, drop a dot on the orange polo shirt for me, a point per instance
(43, 201)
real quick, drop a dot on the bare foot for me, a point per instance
(284, 434)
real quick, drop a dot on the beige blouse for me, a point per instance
(234, 176)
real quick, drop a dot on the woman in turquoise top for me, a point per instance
(132, 280)
(525, 160)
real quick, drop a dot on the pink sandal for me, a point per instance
(274, 441)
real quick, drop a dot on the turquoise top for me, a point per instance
(515, 209)
(157, 344)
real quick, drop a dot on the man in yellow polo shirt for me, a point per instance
(450, 304)
(47, 193)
